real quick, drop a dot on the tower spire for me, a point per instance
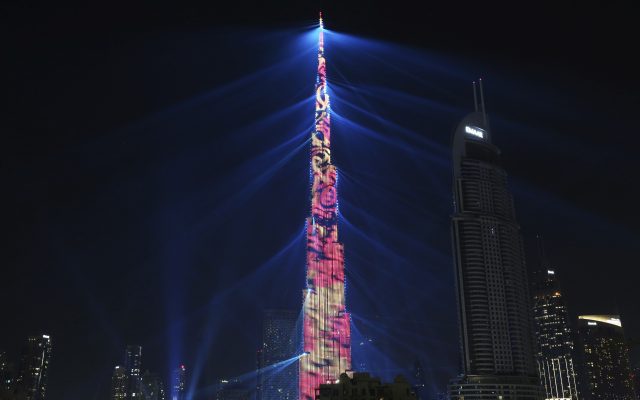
(475, 97)
(484, 113)
(321, 37)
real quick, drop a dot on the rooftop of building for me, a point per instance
(606, 319)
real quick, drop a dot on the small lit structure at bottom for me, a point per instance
(361, 385)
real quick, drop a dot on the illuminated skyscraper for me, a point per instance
(326, 330)
(179, 384)
(280, 342)
(495, 317)
(555, 347)
(34, 368)
(607, 371)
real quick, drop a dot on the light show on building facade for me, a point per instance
(326, 330)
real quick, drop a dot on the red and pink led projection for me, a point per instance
(326, 329)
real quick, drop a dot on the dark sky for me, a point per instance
(146, 189)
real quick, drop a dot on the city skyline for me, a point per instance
(129, 224)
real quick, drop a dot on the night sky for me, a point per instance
(154, 166)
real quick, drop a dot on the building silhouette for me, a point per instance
(7, 376)
(280, 342)
(132, 368)
(232, 390)
(31, 382)
(126, 381)
(179, 384)
(495, 316)
(152, 387)
(129, 383)
(360, 386)
(419, 380)
(259, 362)
(118, 383)
(607, 372)
(554, 339)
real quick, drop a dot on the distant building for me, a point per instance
(34, 368)
(132, 368)
(152, 387)
(258, 374)
(119, 383)
(419, 381)
(555, 346)
(280, 342)
(496, 332)
(636, 378)
(361, 386)
(607, 371)
(361, 350)
(126, 381)
(233, 394)
(179, 384)
(6, 376)
(232, 390)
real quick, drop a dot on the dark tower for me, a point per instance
(259, 366)
(34, 368)
(6, 376)
(152, 387)
(491, 278)
(118, 384)
(132, 366)
(280, 342)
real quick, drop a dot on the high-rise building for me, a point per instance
(607, 371)
(132, 370)
(494, 310)
(554, 339)
(34, 368)
(119, 383)
(6, 376)
(179, 384)
(232, 390)
(326, 327)
(152, 387)
(280, 342)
